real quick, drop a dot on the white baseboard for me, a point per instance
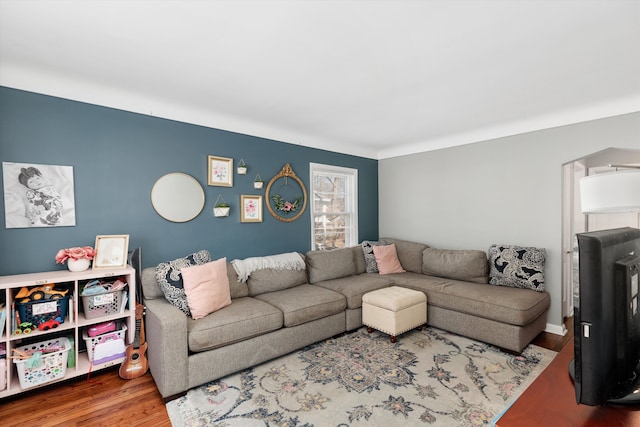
(556, 329)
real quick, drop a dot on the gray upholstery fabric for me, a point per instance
(270, 280)
(237, 288)
(305, 303)
(469, 265)
(504, 335)
(184, 353)
(507, 305)
(214, 364)
(150, 286)
(353, 287)
(358, 259)
(409, 253)
(327, 265)
(243, 319)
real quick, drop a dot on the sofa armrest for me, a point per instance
(167, 352)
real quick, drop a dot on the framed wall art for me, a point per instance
(111, 251)
(251, 208)
(38, 195)
(220, 171)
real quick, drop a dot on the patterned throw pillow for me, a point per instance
(170, 280)
(517, 266)
(369, 258)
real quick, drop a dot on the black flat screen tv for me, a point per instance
(606, 365)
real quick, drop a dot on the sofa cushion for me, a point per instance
(468, 265)
(332, 264)
(170, 280)
(353, 287)
(207, 287)
(237, 288)
(506, 305)
(369, 257)
(517, 266)
(387, 259)
(271, 279)
(358, 259)
(409, 253)
(305, 303)
(244, 318)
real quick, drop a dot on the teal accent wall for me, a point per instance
(117, 156)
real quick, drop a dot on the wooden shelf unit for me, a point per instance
(74, 323)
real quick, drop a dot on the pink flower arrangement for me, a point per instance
(84, 252)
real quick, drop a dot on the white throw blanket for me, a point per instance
(288, 261)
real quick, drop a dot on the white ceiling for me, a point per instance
(376, 79)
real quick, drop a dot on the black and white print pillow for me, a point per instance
(170, 280)
(517, 266)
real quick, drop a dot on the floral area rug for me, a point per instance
(427, 377)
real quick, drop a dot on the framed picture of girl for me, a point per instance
(38, 195)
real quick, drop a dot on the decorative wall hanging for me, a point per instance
(220, 171)
(38, 195)
(221, 208)
(242, 167)
(251, 208)
(258, 182)
(289, 198)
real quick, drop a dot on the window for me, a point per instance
(334, 206)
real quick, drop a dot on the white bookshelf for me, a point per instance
(73, 325)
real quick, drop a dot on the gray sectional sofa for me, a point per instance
(279, 311)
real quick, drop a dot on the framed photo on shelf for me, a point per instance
(111, 251)
(251, 208)
(220, 171)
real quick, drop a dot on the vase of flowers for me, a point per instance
(77, 259)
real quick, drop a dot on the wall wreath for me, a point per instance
(288, 201)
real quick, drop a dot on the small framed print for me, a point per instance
(220, 171)
(111, 251)
(251, 208)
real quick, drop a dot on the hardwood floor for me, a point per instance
(107, 400)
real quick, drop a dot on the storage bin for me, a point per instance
(52, 367)
(98, 305)
(92, 342)
(38, 312)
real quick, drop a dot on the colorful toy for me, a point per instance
(24, 328)
(40, 293)
(101, 328)
(50, 324)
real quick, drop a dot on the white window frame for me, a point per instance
(351, 188)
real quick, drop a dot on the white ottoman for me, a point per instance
(394, 310)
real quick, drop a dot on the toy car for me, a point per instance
(24, 328)
(40, 293)
(49, 324)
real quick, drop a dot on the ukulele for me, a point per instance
(136, 364)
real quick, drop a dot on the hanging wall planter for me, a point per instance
(258, 182)
(221, 208)
(242, 167)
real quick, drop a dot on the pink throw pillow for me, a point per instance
(206, 287)
(387, 259)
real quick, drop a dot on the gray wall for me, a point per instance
(117, 156)
(505, 191)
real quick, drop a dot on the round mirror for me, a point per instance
(177, 197)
